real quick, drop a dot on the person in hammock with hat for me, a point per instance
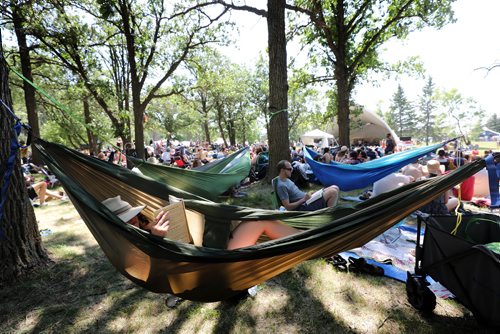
(443, 204)
(245, 234)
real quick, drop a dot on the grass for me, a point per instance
(486, 145)
(80, 292)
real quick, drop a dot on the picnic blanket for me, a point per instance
(397, 245)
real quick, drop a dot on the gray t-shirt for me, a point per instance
(287, 190)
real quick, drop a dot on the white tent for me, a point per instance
(317, 137)
(367, 127)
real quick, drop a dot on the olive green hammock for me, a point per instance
(209, 181)
(211, 273)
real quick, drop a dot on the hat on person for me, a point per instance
(433, 167)
(152, 160)
(343, 149)
(122, 209)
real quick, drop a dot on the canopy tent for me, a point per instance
(350, 177)
(318, 138)
(207, 273)
(209, 181)
(488, 134)
(367, 127)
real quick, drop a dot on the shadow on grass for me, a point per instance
(57, 297)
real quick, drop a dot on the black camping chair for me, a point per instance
(464, 259)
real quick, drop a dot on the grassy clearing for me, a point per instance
(82, 293)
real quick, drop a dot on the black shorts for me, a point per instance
(316, 205)
(32, 193)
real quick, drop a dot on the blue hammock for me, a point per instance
(350, 177)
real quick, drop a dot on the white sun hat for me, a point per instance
(122, 209)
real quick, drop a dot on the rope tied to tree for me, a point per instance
(9, 166)
(72, 115)
(272, 114)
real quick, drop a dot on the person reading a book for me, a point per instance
(133, 216)
(245, 234)
(292, 198)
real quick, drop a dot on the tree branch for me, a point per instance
(376, 36)
(357, 17)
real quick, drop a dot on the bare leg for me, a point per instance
(40, 189)
(452, 204)
(331, 195)
(247, 233)
(53, 194)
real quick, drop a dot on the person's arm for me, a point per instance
(290, 206)
(160, 225)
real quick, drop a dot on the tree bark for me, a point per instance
(88, 120)
(204, 112)
(21, 248)
(342, 77)
(279, 146)
(343, 94)
(136, 86)
(29, 91)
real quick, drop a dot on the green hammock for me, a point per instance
(210, 181)
(209, 272)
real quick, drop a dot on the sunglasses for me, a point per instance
(288, 168)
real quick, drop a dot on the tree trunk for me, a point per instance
(136, 87)
(342, 78)
(206, 129)
(204, 112)
(20, 243)
(88, 120)
(342, 107)
(29, 91)
(279, 145)
(231, 130)
(219, 123)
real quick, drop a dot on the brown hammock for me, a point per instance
(209, 272)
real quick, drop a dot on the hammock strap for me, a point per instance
(9, 166)
(458, 159)
(272, 114)
(62, 107)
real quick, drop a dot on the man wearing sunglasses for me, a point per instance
(294, 199)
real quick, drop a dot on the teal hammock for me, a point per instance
(350, 177)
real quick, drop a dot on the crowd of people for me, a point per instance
(164, 152)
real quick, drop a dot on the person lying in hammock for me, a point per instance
(245, 234)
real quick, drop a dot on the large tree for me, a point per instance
(459, 113)
(349, 33)
(427, 106)
(125, 52)
(20, 244)
(15, 12)
(278, 135)
(401, 113)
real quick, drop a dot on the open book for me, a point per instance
(315, 196)
(178, 229)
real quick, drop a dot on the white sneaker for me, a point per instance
(252, 291)
(65, 198)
